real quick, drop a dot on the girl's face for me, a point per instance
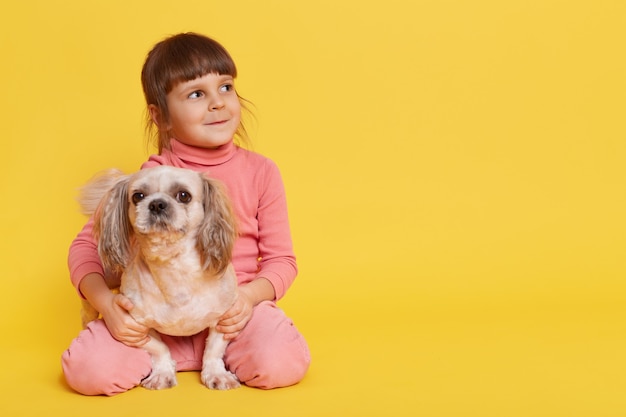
(204, 112)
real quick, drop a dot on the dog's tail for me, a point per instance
(90, 194)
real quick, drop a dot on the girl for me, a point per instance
(188, 82)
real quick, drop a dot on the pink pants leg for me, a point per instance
(96, 363)
(268, 353)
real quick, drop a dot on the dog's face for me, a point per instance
(165, 206)
(165, 200)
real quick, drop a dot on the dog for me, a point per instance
(170, 232)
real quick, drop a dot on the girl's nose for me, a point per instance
(216, 102)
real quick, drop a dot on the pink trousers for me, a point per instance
(268, 353)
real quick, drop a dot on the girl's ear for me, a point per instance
(157, 117)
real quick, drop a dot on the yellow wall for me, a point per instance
(443, 159)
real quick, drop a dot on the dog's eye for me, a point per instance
(137, 197)
(183, 197)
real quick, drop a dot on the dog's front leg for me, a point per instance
(214, 374)
(163, 373)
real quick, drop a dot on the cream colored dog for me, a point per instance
(170, 232)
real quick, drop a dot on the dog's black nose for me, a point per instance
(157, 206)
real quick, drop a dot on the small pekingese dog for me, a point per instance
(170, 232)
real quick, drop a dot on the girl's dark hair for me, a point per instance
(179, 58)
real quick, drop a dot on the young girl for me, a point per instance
(188, 82)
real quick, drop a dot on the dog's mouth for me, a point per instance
(155, 223)
(160, 228)
(159, 216)
(160, 224)
(160, 244)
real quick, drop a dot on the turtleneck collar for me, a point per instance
(203, 156)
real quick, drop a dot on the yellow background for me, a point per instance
(456, 179)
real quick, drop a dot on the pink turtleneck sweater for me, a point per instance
(255, 187)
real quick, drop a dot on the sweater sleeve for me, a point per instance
(277, 260)
(83, 256)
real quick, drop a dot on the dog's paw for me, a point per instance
(222, 381)
(159, 381)
(161, 377)
(215, 376)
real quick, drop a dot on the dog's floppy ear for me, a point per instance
(112, 226)
(218, 231)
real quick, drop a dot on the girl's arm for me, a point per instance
(277, 260)
(115, 311)
(248, 296)
(277, 267)
(87, 275)
(258, 291)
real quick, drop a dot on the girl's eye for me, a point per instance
(227, 87)
(137, 197)
(195, 94)
(183, 197)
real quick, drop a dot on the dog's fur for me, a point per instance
(170, 232)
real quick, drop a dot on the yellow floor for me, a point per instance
(407, 357)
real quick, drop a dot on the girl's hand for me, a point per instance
(121, 324)
(235, 319)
